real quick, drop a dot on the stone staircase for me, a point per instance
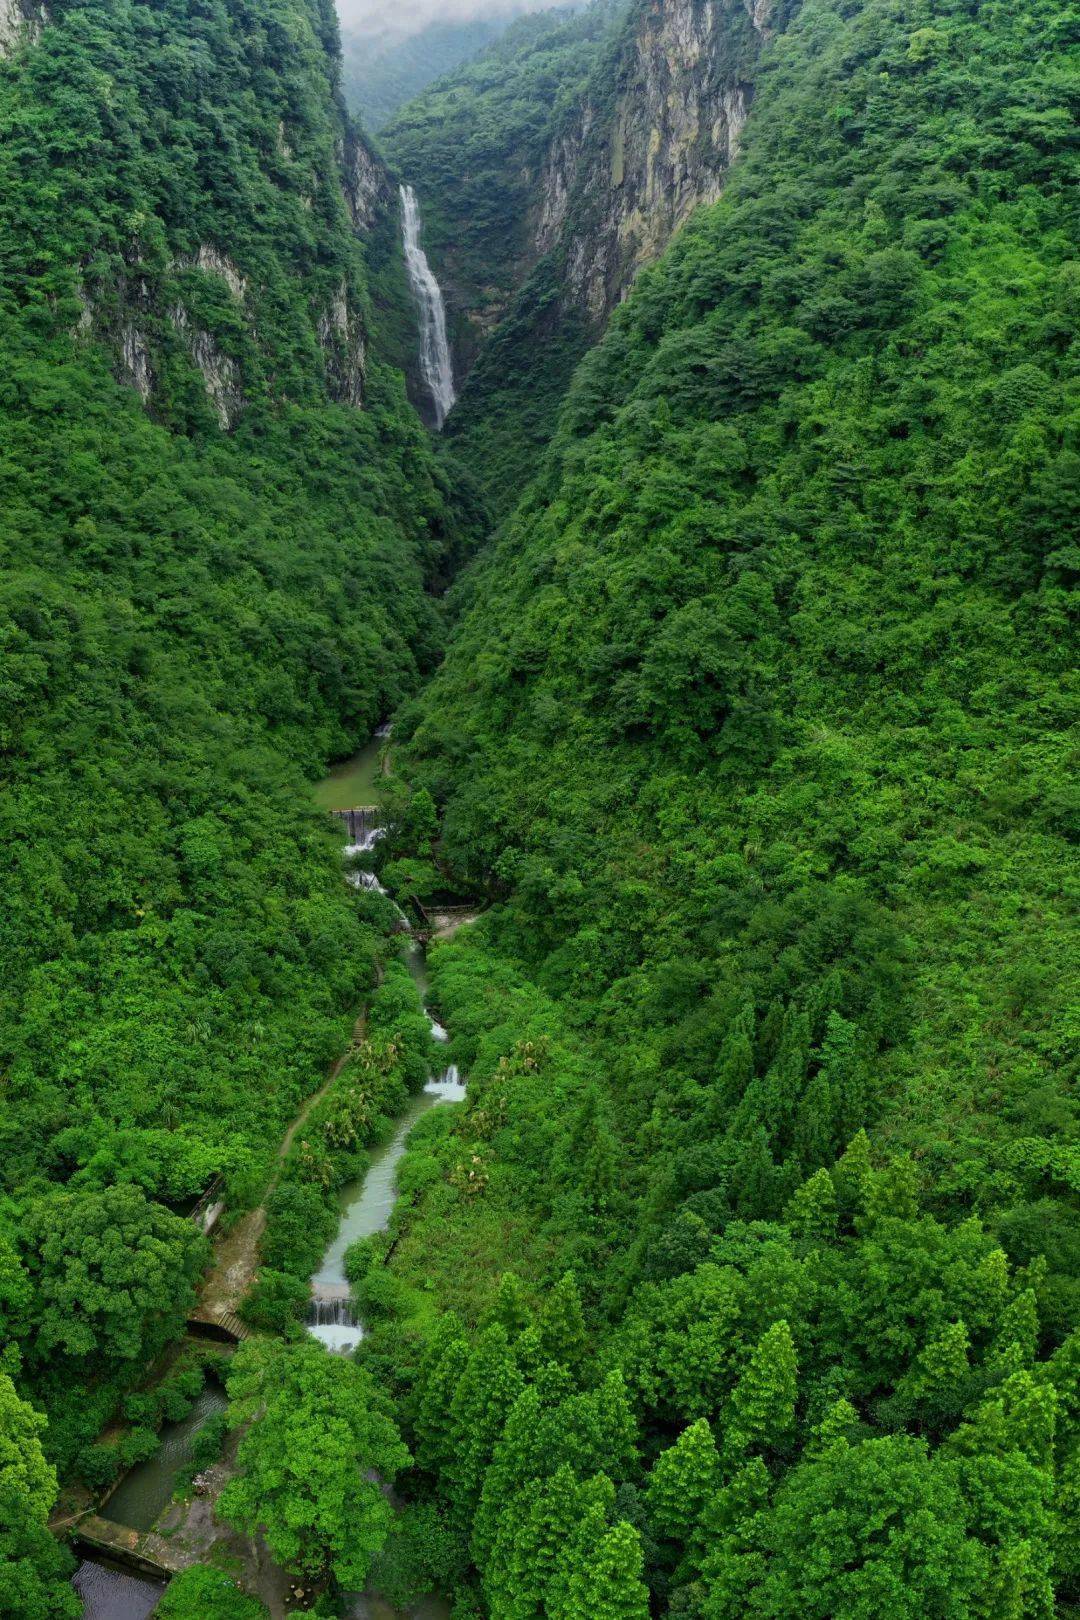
(211, 1324)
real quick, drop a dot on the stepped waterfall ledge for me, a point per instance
(435, 364)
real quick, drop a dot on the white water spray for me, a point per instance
(435, 365)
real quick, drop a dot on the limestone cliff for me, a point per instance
(651, 139)
(194, 332)
(21, 22)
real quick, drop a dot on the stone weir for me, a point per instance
(144, 1553)
(361, 823)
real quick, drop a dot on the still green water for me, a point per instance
(355, 782)
(144, 1493)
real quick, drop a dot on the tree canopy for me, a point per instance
(318, 1447)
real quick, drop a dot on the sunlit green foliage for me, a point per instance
(32, 1563)
(312, 1465)
(207, 1594)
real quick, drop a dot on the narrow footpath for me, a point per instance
(236, 1257)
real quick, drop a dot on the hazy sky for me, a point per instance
(398, 18)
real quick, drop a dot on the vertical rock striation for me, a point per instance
(651, 139)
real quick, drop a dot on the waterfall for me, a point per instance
(331, 1307)
(435, 366)
(364, 826)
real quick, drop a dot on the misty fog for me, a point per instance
(391, 20)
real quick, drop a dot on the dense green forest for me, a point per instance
(754, 731)
(746, 1282)
(194, 622)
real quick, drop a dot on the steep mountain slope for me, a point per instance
(221, 515)
(538, 247)
(755, 730)
(475, 148)
(379, 78)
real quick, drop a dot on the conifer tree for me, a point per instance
(939, 1383)
(761, 1412)
(1016, 1336)
(607, 1584)
(510, 1307)
(681, 1485)
(521, 1455)
(813, 1136)
(843, 1070)
(562, 1323)
(734, 1071)
(440, 1374)
(893, 1191)
(481, 1403)
(851, 1177)
(542, 1534)
(811, 1214)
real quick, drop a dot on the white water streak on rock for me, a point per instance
(435, 363)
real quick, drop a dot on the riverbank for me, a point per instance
(236, 1258)
(150, 1532)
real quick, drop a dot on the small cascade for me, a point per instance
(436, 366)
(367, 880)
(364, 825)
(331, 1306)
(332, 1319)
(449, 1086)
(367, 1206)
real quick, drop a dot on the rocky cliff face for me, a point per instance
(201, 305)
(647, 148)
(365, 181)
(201, 328)
(21, 22)
(651, 140)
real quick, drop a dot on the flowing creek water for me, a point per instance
(146, 1491)
(366, 1204)
(110, 1592)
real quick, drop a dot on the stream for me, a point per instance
(146, 1490)
(111, 1592)
(366, 1204)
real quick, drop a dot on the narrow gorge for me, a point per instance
(538, 955)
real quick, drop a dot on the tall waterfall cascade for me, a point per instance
(435, 364)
